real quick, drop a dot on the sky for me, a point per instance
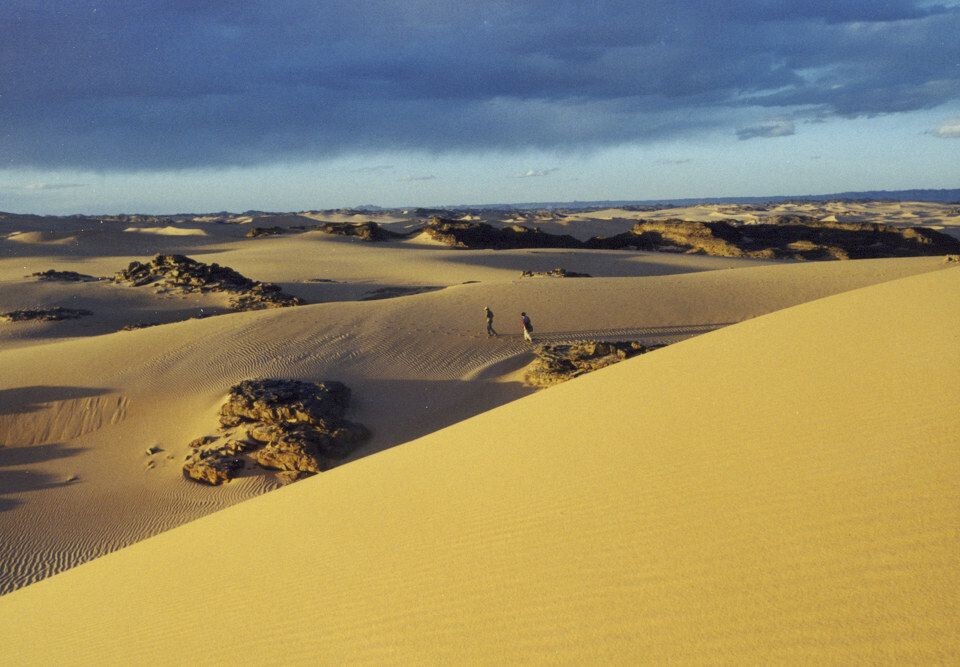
(172, 106)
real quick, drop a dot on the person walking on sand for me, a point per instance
(487, 313)
(527, 327)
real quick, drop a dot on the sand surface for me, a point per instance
(701, 503)
(780, 488)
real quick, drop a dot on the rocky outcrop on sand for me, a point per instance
(44, 314)
(286, 425)
(257, 232)
(558, 363)
(480, 235)
(787, 237)
(52, 275)
(558, 272)
(178, 274)
(793, 237)
(365, 231)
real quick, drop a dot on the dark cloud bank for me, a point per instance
(171, 84)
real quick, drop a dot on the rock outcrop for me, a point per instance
(284, 425)
(787, 237)
(44, 314)
(559, 363)
(366, 231)
(181, 275)
(558, 272)
(257, 232)
(480, 235)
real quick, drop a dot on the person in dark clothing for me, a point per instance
(487, 313)
(527, 327)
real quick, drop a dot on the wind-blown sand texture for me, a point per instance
(794, 513)
(781, 489)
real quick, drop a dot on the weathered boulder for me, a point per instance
(287, 425)
(182, 275)
(273, 401)
(558, 363)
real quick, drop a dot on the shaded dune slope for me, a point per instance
(784, 489)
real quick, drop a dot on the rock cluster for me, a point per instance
(480, 235)
(366, 231)
(558, 272)
(181, 275)
(44, 314)
(559, 363)
(52, 275)
(787, 237)
(257, 232)
(286, 425)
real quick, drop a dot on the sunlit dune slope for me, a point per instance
(780, 490)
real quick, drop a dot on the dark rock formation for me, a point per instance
(480, 235)
(558, 272)
(559, 363)
(181, 275)
(44, 314)
(367, 231)
(787, 237)
(793, 237)
(257, 232)
(287, 425)
(52, 275)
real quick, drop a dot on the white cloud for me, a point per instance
(534, 173)
(948, 129)
(42, 187)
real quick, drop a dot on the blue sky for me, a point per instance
(172, 106)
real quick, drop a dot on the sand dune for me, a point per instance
(700, 503)
(415, 364)
(168, 230)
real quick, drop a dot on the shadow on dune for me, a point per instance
(598, 263)
(24, 481)
(30, 399)
(19, 456)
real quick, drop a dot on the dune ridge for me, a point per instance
(779, 490)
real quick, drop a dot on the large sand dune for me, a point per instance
(781, 490)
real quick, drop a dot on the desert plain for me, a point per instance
(773, 480)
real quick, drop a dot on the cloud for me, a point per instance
(372, 169)
(949, 129)
(169, 84)
(768, 129)
(42, 187)
(535, 173)
(425, 177)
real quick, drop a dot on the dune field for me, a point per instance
(777, 483)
